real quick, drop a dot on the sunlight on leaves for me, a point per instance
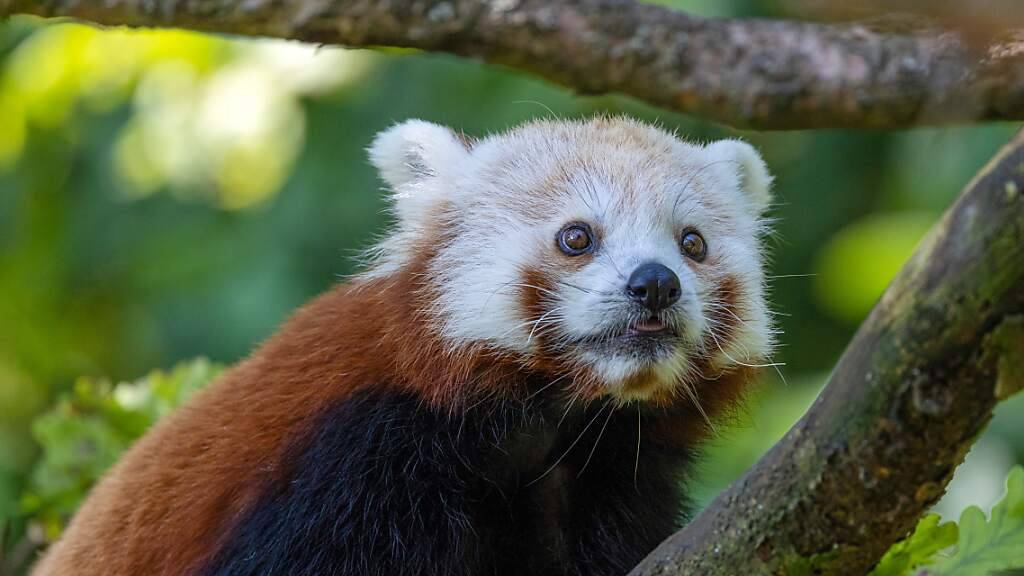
(212, 120)
(89, 428)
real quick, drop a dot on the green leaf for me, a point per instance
(990, 546)
(90, 427)
(929, 538)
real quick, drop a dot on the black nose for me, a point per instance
(653, 285)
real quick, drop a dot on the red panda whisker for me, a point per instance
(775, 365)
(496, 290)
(548, 385)
(391, 424)
(618, 271)
(586, 290)
(539, 322)
(571, 446)
(688, 389)
(636, 463)
(735, 361)
(535, 287)
(568, 407)
(533, 322)
(596, 442)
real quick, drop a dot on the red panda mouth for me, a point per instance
(649, 327)
(650, 337)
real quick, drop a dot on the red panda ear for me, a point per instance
(416, 150)
(418, 160)
(746, 168)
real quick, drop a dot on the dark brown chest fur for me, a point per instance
(388, 486)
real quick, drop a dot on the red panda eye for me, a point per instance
(694, 246)
(575, 239)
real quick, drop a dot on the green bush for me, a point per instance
(88, 429)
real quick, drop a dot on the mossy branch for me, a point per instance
(942, 347)
(911, 393)
(766, 74)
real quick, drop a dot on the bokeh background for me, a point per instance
(167, 196)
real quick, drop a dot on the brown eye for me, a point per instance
(575, 239)
(693, 246)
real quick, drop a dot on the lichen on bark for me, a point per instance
(753, 73)
(913, 390)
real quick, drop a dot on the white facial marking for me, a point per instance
(494, 211)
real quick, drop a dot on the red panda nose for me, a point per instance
(653, 285)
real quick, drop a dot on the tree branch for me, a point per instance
(943, 346)
(911, 393)
(749, 73)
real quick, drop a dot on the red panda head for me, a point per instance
(612, 255)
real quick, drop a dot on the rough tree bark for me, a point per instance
(748, 73)
(913, 390)
(944, 345)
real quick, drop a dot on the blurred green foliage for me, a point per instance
(169, 195)
(855, 265)
(88, 429)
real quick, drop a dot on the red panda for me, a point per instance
(515, 386)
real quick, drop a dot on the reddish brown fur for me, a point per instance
(173, 498)
(176, 494)
(725, 316)
(210, 460)
(717, 391)
(535, 302)
(689, 427)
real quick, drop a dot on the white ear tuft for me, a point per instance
(414, 150)
(743, 161)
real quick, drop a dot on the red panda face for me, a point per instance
(611, 254)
